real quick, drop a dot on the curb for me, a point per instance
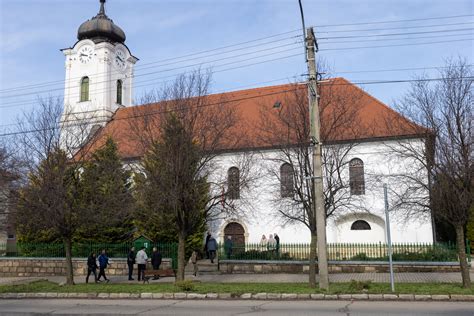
(245, 296)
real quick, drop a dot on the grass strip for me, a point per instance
(239, 288)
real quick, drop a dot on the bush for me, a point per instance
(186, 285)
(362, 256)
(360, 285)
(261, 255)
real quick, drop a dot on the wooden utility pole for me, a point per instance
(318, 202)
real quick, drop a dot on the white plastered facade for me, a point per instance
(259, 209)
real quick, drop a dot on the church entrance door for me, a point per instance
(237, 232)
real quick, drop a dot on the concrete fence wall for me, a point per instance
(37, 267)
(235, 266)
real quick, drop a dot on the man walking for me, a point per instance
(130, 263)
(212, 247)
(103, 262)
(91, 267)
(141, 262)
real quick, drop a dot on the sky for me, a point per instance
(261, 40)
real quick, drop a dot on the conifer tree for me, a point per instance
(106, 194)
(48, 203)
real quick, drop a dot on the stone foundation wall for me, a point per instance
(231, 266)
(38, 267)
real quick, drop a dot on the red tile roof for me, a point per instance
(347, 114)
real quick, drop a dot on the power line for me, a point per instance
(225, 58)
(397, 45)
(138, 67)
(395, 28)
(243, 43)
(14, 104)
(182, 56)
(389, 70)
(397, 34)
(398, 21)
(240, 99)
(144, 114)
(171, 69)
(398, 39)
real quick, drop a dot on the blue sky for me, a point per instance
(33, 32)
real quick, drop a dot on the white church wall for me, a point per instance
(259, 212)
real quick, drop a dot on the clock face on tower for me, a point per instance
(120, 60)
(85, 54)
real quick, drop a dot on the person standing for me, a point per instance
(156, 261)
(212, 247)
(130, 263)
(271, 244)
(141, 260)
(277, 239)
(263, 242)
(228, 245)
(205, 245)
(91, 267)
(194, 259)
(103, 263)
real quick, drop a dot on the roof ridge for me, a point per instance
(387, 107)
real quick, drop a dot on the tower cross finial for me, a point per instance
(102, 9)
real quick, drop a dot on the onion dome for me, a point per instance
(101, 29)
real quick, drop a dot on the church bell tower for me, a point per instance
(99, 75)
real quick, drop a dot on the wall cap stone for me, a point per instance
(245, 296)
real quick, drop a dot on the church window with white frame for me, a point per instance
(84, 89)
(233, 183)
(286, 180)
(356, 177)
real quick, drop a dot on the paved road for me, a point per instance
(232, 307)
(450, 277)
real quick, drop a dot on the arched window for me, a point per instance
(84, 89)
(233, 183)
(356, 176)
(286, 180)
(119, 92)
(360, 225)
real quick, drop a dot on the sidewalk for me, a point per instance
(408, 277)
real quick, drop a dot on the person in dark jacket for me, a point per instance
(277, 239)
(103, 262)
(130, 263)
(156, 261)
(228, 245)
(212, 247)
(91, 267)
(205, 245)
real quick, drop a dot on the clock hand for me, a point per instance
(120, 58)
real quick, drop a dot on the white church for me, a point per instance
(99, 84)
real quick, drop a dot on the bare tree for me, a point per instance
(209, 125)
(444, 109)
(286, 128)
(49, 201)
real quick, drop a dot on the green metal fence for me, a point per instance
(82, 250)
(347, 252)
(287, 252)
